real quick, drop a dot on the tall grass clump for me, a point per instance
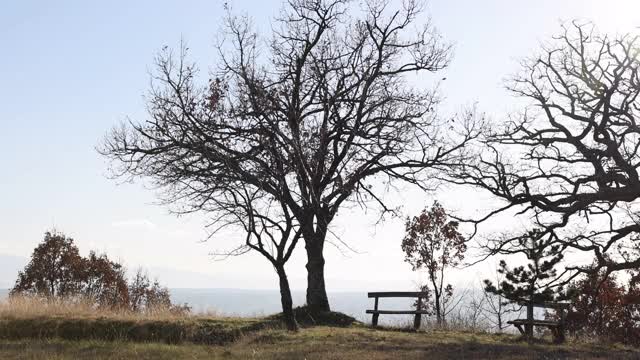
(18, 306)
(27, 317)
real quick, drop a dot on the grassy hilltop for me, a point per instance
(61, 331)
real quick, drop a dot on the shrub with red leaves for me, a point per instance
(601, 306)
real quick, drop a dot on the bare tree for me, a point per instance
(199, 160)
(474, 309)
(452, 301)
(570, 161)
(147, 296)
(312, 120)
(270, 230)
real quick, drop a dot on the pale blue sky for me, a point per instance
(69, 70)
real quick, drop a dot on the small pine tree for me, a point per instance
(529, 282)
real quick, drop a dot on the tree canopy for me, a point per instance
(320, 115)
(570, 161)
(432, 242)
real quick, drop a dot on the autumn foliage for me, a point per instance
(603, 307)
(57, 271)
(433, 243)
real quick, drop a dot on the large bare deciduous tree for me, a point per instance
(319, 114)
(570, 161)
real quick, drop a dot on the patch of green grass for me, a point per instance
(215, 331)
(87, 349)
(322, 343)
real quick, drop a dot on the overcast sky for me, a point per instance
(70, 70)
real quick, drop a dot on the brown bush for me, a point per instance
(602, 307)
(57, 272)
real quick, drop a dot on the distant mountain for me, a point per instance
(9, 267)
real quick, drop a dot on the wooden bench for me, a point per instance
(418, 312)
(525, 326)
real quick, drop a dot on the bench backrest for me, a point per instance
(560, 305)
(399, 294)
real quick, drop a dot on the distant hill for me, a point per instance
(174, 278)
(9, 267)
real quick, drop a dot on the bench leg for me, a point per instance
(558, 335)
(528, 331)
(374, 320)
(416, 321)
(519, 327)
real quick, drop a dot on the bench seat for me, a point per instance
(534, 322)
(557, 328)
(391, 312)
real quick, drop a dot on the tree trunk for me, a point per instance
(317, 299)
(499, 314)
(438, 311)
(286, 300)
(528, 328)
(437, 292)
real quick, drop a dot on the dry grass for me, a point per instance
(36, 330)
(18, 307)
(26, 318)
